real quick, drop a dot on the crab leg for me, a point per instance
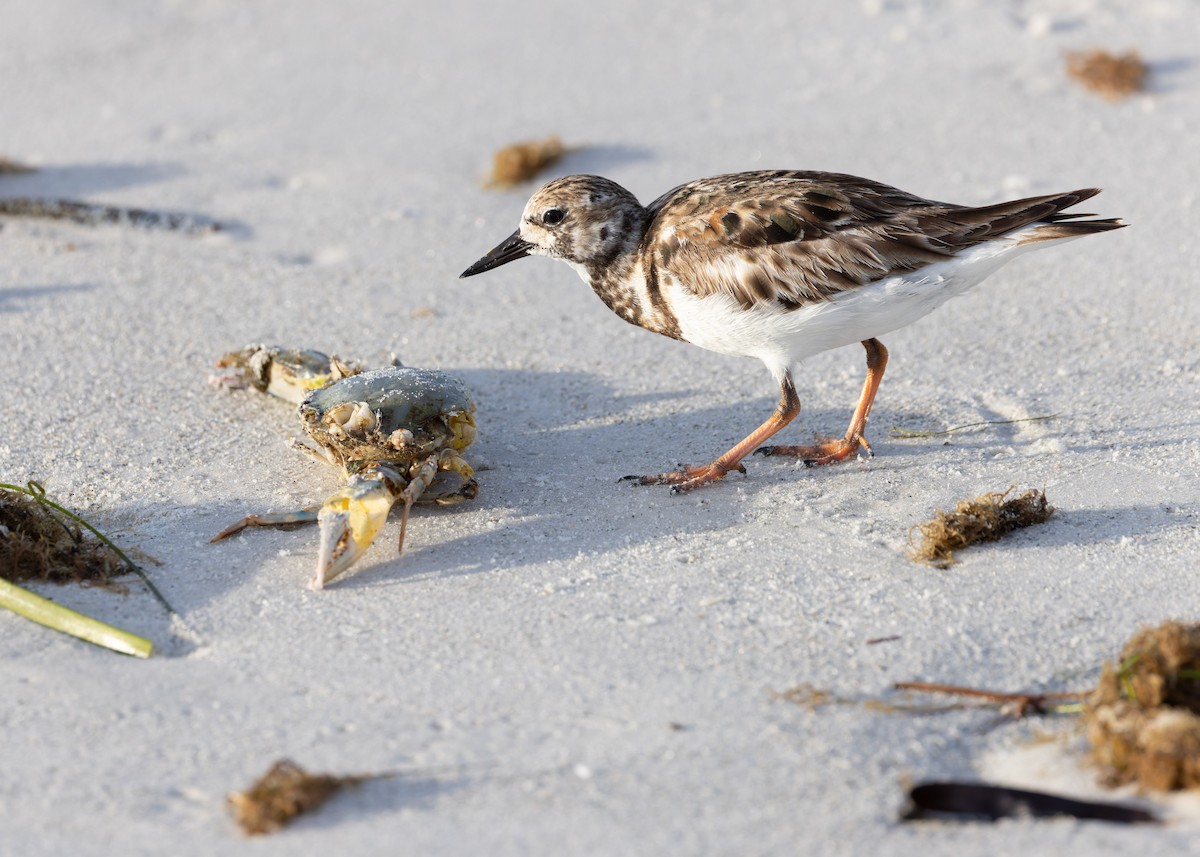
(452, 462)
(272, 519)
(422, 473)
(352, 518)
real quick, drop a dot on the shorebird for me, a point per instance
(780, 265)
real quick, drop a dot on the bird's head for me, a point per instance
(583, 220)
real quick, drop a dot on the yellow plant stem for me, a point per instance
(46, 612)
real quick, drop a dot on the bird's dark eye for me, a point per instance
(553, 216)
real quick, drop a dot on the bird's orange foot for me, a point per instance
(827, 451)
(687, 477)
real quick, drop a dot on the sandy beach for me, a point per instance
(567, 664)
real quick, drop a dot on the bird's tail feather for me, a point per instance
(1059, 227)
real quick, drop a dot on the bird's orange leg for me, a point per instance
(837, 449)
(693, 477)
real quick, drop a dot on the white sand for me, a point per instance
(539, 645)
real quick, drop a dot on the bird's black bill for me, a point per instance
(513, 247)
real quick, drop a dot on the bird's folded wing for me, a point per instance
(793, 238)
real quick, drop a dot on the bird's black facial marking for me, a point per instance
(603, 233)
(553, 216)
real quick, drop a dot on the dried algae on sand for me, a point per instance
(284, 793)
(41, 541)
(1110, 75)
(986, 518)
(36, 545)
(520, 162)
(1143, 720)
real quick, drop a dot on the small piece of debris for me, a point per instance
(953, 801)
(285, 792)
(1016, 705)
(37, 545)
(1112, 76)
(520, 162)
(1143, 720)
(808, 696)
(912, 434)
(986, 518)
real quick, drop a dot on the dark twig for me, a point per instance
(1021, 703)
(907, 434)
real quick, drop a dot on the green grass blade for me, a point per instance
(46, 612)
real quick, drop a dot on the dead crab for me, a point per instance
(392, 431)
(289, 373)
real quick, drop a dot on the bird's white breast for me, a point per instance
(782, 338)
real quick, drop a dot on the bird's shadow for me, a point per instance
(556, 526)
(556, 467)
(554, 445)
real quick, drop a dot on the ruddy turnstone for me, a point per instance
(780, 265)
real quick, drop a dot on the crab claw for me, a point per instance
(350, 520)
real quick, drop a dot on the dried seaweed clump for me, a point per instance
(522, 161)
(93, 214)
(282, 793)
(985, 519)
(1143, 720)
(7, 165)
(1107, 74)
(37, 545)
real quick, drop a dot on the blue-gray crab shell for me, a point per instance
(423, 401)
